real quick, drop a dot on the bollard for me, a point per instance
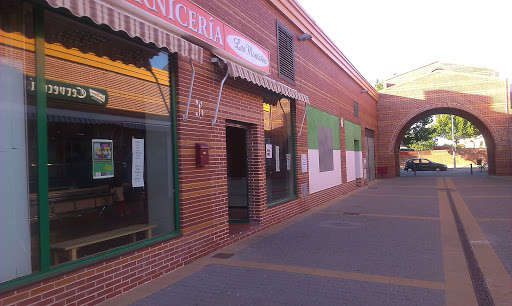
(471, 166)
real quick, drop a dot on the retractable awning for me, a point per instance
(102, 13)
(235, 70)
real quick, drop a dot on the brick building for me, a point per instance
(476, 94)
(138, 136)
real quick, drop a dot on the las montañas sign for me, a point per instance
(188, 17)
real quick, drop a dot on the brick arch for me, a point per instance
(476, 94)
(484, 126)
(440, 108)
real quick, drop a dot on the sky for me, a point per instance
(384, 38)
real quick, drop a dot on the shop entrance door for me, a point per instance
(370, 154)
(236, 154)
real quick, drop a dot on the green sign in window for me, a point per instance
(69, 92)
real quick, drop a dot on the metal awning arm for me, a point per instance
(190, 89)
(303, 117)
(218, 98)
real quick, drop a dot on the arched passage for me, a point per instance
(483, 127)
(476, 94)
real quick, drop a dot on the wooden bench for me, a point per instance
(71, 246)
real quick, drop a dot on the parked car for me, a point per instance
(423, 164)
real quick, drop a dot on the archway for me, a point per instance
(476, 94)
(466, 114)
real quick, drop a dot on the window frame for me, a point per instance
(293, 109)
(46, 269)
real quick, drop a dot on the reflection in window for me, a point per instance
(109, 141)
(279, 166)
(19, 215)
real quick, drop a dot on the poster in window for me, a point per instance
(137, 162)
(102, 159)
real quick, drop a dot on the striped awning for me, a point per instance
(102, 13)
(235, 70)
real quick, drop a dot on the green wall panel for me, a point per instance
(352, 132)
(317, 117)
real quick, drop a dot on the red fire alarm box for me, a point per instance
(201, 154)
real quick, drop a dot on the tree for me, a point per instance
(420, 136)
(461, 128)
(379, 84)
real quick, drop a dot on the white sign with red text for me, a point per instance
(187, 17)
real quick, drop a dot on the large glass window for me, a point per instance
(19, 216)
(279, 151)
(87, 160)
(109, 140)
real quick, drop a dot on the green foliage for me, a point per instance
(379, 84)
(421, 135)
(461, 128)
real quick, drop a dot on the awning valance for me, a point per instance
(235, 70)
(102, 13)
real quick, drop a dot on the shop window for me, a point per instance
(285, 60)
(279, 151)
(104, 146)
(19, 215)
(109, 141)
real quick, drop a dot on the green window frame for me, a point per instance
(46, 270)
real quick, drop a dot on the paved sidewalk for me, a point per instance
(394, 242)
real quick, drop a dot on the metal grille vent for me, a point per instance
(356, 109)
(285, 60)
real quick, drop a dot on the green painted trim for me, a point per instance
(172, 80)
(247, 216)
(317, 118)
(42, 141)
(294, 156)
(352, 132)
(87, 261)
(280, 201)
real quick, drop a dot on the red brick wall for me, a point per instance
(203, 190)
(480, 99)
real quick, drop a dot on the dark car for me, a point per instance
(423, 164)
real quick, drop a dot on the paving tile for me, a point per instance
(499, 234)
(397, 247)
(228, 285)
(419, 206)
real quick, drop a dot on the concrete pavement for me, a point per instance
(405, 241)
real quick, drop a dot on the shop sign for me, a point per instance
(188, 17)
(69, 92)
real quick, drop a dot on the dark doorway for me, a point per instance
(236, 153)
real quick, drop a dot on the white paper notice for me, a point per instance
(304, 163)
(278, 165)
(268, 150)
(137, 162)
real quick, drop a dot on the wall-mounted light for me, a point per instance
(305, 36)
(364, 90)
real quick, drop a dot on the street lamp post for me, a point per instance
(454, 146)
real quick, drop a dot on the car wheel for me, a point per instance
(438, 169)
